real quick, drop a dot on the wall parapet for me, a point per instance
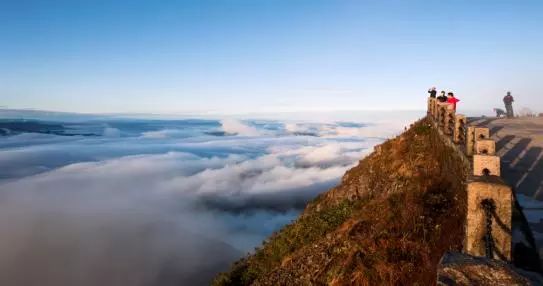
(489, 199)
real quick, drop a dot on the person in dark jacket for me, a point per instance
(432, 91)
(508, 101)
(442, 97)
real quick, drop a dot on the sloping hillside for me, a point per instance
(389, 221)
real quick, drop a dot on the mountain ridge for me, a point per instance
(389, 221)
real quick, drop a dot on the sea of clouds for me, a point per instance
(161, 202)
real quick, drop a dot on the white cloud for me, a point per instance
(234, 126)
(111, 132)
(330, 130)
(160, 134)
(147, 204)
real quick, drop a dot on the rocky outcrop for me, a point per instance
(462, 269)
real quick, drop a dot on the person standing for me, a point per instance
(508, 101)
(432, 91)
(452, 100)
(442, 97)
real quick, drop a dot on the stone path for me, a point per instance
(519, 143)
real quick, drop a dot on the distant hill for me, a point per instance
(18, 126)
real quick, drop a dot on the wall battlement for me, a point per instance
(489, 198)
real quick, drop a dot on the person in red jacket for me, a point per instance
(452, 100)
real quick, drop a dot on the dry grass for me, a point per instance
(388, 223)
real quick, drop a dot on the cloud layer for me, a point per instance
(164, 205)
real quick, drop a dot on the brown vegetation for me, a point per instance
(388, 222)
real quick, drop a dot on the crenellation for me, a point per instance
(449, 122)
(489, 212)
(484, 165)
(442, 112)
(470, 140)
(490, 189)
(436, 109)
(481, 133)
(485, 147)
(459, 129)
(431, 105)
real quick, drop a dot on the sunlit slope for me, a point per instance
(388, 222)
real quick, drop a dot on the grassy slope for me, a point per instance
(388, 222)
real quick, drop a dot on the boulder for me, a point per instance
(462, 269)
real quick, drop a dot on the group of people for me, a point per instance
(449, 98)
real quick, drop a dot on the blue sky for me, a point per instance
(266, 56)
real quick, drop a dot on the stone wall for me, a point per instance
(489, 199)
